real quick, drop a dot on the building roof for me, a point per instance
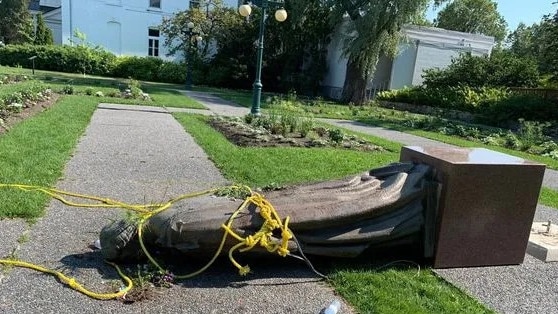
(35, 5)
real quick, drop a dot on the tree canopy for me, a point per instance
(539, 42)
(473, 16)
(16, 26)
(43, 34)
(370, 29)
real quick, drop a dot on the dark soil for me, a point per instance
(243, 134)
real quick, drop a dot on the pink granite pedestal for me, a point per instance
(486, 206)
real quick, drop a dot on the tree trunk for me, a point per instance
(354, 88)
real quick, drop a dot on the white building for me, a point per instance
(52, 15)
(424, 48)
(123, 27)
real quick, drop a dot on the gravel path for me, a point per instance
(139, 154)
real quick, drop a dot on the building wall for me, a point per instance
(403, 65)
(53, 20)
(423, 48)
(121, 26)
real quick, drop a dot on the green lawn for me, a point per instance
(35, 151)
(367, 288)
(161, 94)
(265, 166)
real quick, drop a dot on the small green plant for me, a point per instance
(306, 126)
(68, 90)
(532, 133)
(239, 192)
(336, 135)
(89, 91)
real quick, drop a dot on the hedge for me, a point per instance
(492, 106)
(94, 61)
(71, 59)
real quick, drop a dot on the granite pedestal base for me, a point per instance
(485, 208)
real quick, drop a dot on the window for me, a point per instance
(194, 4)
(153, 42)
(155, 4)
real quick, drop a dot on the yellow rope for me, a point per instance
(264, 236)
(72, 283)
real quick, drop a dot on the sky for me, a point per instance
(516, 11)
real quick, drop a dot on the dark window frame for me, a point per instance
(155, 4)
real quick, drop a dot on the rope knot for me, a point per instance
(282, 251)
(244, 270)
(250, 241)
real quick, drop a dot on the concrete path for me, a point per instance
(141, 155)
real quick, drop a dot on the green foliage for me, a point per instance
(372, 28)
(460, 97)
(280, 166)
(501, 68)
(95, 61)
(68, 89)
(149, 69)
(73, 59)
(401, 290)
(35, 152)
(294, 54)
(538, 42)
(43, 34)
(516, 106)
(530, 136)
(15, 97)
(336, 135)
(16, 25)
(473, 16)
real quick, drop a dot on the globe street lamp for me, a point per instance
(191, 36)
(280, 15)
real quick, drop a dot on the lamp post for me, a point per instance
(280, 15)
(190, 36)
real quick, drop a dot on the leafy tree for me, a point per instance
(16, 26)
(521, 41)
(209, 18)
(546, 38)
(537, 41)
(370, 28)
(43, 34)
(473, 16)
(296, 49)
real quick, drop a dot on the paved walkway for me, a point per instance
(531, 287)
(139, 154)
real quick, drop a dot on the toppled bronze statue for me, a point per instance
(338, 218)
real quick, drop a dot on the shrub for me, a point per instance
(514, 107)
(500, 69)
(72, 59)
(67, 89)
(141, 68)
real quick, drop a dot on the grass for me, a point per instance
(396, 290)
(549, 197)
(265, 166)
(161, 94)
(369, 290)
(35, 151)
